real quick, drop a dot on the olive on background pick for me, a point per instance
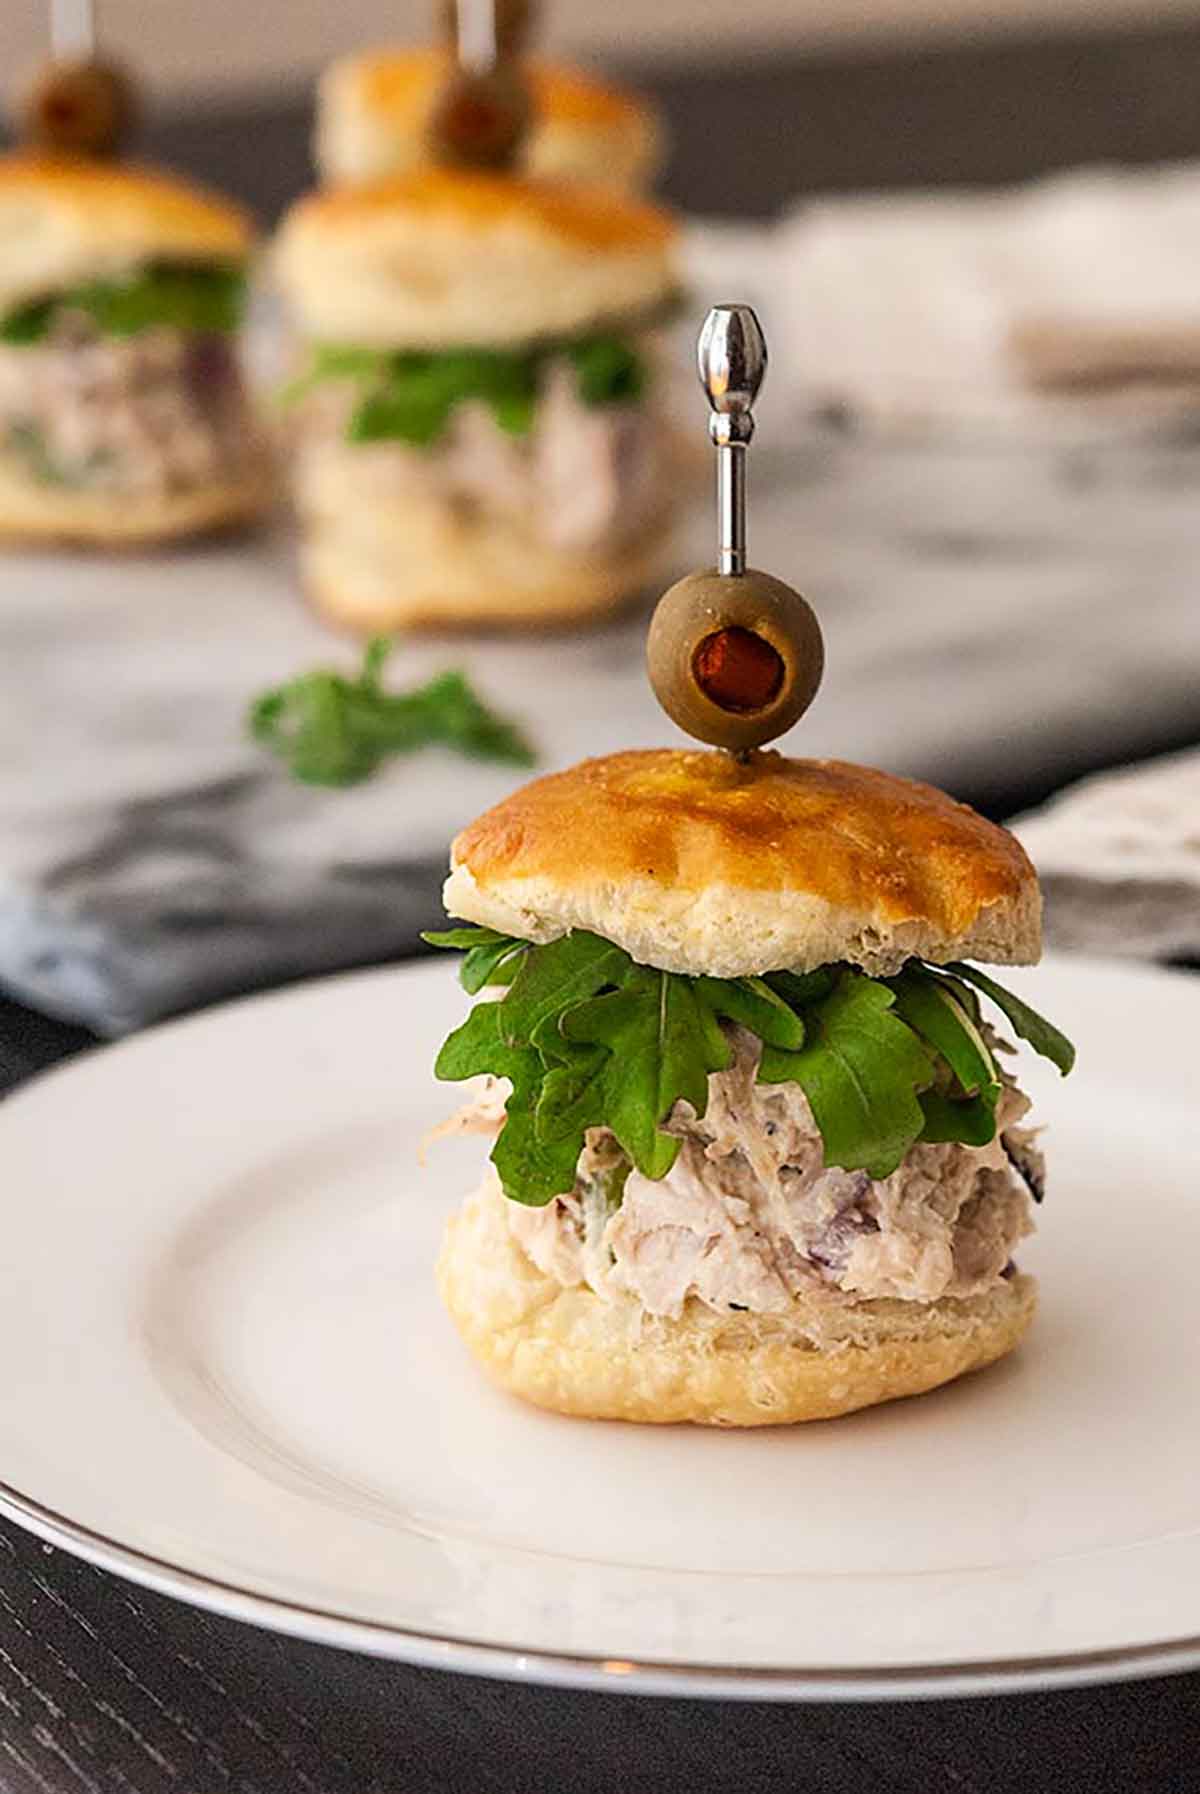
(480, 118)
(77, 106)
(735, 662)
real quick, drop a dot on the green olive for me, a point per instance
(734, 660)
(479, 120)
(78, 107)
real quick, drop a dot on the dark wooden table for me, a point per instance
(105, 1689)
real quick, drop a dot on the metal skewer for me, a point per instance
(735, 656)
(732, 361)
(72, 29)
(477, 46)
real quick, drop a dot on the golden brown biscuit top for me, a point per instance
(598, 218)
(402, 83)
(688, 820)
(192, 221)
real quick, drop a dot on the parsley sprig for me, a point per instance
(334, 730)
(589, 1038)
(408, 396)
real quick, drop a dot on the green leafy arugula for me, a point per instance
(1041, 1035)
(408, 396)
(489, 958)
(334, 730)
(936, 1010)
(861, 1069)
(202, 300)
(589, 1038)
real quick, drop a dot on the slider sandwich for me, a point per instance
(761, 1152)
(375, 112)
(477, 422)
(123, 415)
(761, 1149)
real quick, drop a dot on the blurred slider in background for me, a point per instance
(375, 109)
(479, 428)
(123, 414)
(478, 436)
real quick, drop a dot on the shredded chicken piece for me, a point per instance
(749, 1216)
(156, 412)
(484, 1114)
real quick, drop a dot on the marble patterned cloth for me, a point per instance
(991, 610)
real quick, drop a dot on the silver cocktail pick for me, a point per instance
(731, 358)
(734, 655)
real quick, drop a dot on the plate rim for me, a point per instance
(649, 1677)
(533, 1665)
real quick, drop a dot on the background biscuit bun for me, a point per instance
(64, 221)
(37, 513)
(369, 569)
(449, 258)
(696, 863)
(605, 1358)
(373, 112)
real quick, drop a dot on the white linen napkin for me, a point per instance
(1074, 295)
(1119, 860)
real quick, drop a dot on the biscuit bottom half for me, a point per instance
(605, 1358)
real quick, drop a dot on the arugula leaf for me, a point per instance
(799, 989)
(533, 1168)
(588, 1039)
(331, 730)
(659, 1052)
(201, 300)
(609, 371)
(933, 1012)
(490, 956)
(28, 324)
(969, 1120)
(753, 1004)
(531, 1171)
(573, 1093)
(861, 1068)
(1042, 1035)
(933, 1009)
(564, 972)
(332, 361)
(409, 396)
(413, 411)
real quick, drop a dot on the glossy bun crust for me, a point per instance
(66, 220)
(578, 1353)
(696, 863)
(373, 113)
(450, 258)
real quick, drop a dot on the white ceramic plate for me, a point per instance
(227, 1376)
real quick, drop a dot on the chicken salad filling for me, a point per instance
(156, 411)
(558, 438)
(750, 1217)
